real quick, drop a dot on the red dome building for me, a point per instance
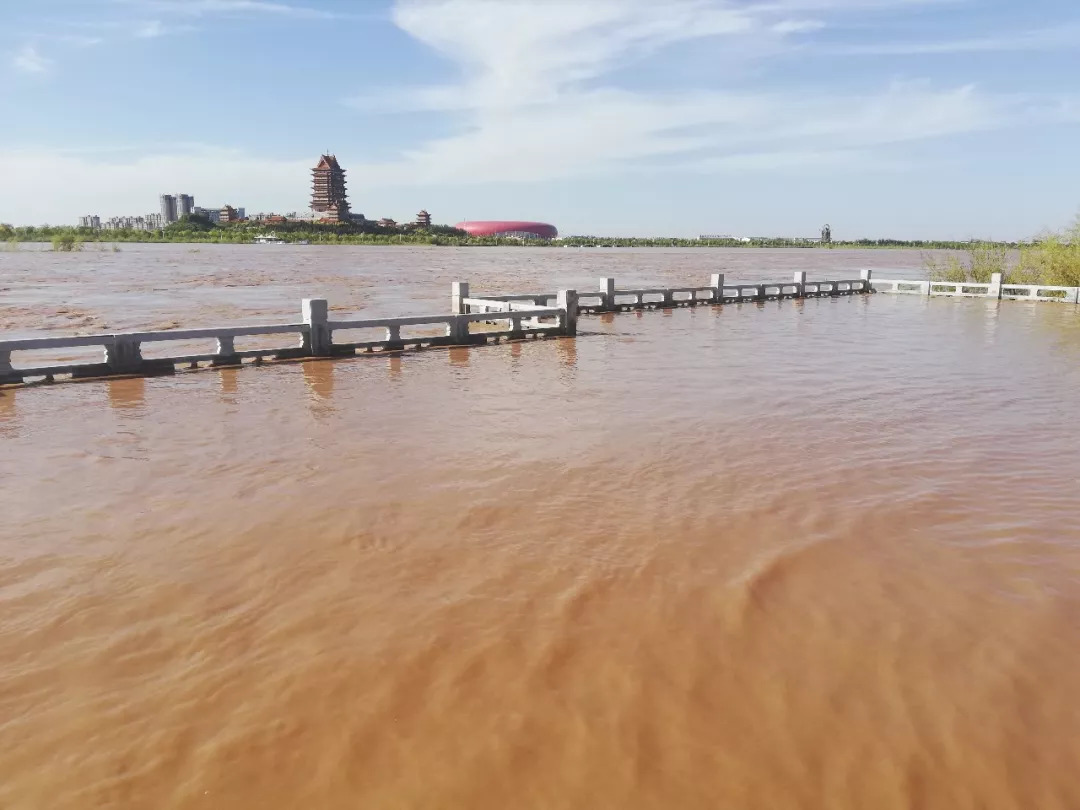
(521, 230)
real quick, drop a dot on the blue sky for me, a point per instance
(907, 118)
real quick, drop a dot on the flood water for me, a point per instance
(800, 554)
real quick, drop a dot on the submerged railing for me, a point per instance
(472, 321)
(995, 288)
(609, 298)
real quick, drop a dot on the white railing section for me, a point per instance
(610, 298)
(1040, 292)
(995, 288)
(123, 351)
(495, 317)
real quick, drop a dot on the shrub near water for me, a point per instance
(66, 243)
(1053, 260)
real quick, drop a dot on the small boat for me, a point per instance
(269, 239)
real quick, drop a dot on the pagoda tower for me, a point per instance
(328, 196)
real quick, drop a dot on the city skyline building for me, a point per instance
(212, 214)
(185, 204)
(168, 208)
(328, 193)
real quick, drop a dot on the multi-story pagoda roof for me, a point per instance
(328, 194)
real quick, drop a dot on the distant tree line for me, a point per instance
(196, 228)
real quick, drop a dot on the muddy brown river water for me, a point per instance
(800, 554)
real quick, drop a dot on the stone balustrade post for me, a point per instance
(316, 315)
(800, 283)
(458, 330)
(867, 277)
(607, 297)
(226, 352)
(459, 291)
(716, 281)
(995, 286)
(123, 356)
(7, 372)
(567, 301)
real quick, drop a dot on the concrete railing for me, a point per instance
(513, 317)
(995, 288)
(1040, 292)
(123, 351)
(610, 298)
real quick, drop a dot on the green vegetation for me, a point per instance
(66, 243)
(196, 229)
(1053, 259)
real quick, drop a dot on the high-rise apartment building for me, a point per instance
(185, 204)
(90, 221)
(328, 195)
(168, 208)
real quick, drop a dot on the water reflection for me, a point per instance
(127, 394)
(567, 349)
(393, 366)
(7, 410)
(459, 357)
(229, 380)
(319, 378)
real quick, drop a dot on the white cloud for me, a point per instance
(200, 8)
(150, 30)
(28, 60)
(515, 50)
(607, 131)
(797, 26)
(535, 106)
(59, 186)
(1062, 36)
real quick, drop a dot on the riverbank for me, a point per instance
(77, 241)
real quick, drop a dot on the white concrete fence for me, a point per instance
(995, 288)
(609, 298)
(472, 321)
(123, 352)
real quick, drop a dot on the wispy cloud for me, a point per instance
(202, 8)
(29, 60)
(109, 184)
(150, 29)
(1062, 36)
(797, 26)
(535, 105)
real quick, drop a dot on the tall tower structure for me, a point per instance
(185, 204)
(168, 208)
(328, 196)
